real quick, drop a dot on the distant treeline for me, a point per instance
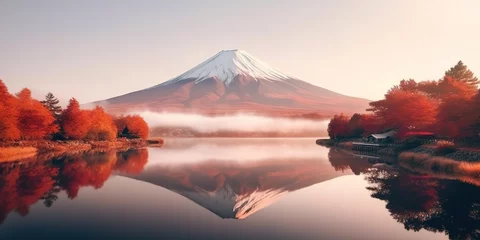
(449, 107)
(24, 118)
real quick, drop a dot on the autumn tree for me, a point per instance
(449, 86)
(132, 126)
(52, 104)
(338, 127)
(34, 120)
(8, 115)
(455, 118)
(457, 114)
(75, 122)
(102, 127)
(461, 73)
(406, 85)
(406, 110)
(364, 124)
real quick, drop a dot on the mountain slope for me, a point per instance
(234, 81)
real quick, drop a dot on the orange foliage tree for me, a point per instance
(132, 125)
(406, 110)
(338, 127)
(102, 127)
(75, 122)
(8, 115)
(34, 120)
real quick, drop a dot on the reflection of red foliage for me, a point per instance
(132, 162)
(20, 188)
(81, 173)
(23, 185)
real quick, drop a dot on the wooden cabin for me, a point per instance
(386, 137)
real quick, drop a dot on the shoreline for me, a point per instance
(459, 163)
(19, 150)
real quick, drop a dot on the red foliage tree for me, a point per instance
(8, 115)
(75, 122)
(102, 127)
(338, 127)
(34, 120)
(449, 86)
(364, 124)
(406, 110)
(133, 125)
(455, 119)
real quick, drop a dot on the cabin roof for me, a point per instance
(385, 135)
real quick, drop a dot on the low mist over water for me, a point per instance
(233, 123)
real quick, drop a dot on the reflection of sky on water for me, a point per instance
(319, 198)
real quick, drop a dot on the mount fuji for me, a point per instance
(234, 81)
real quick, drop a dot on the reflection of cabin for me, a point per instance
(386, 137)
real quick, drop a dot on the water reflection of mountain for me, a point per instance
(425, 202)
(236, 189)
(23, 184)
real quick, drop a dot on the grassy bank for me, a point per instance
(443, 158)
(8, 154)
(13, 151)
(438, 164)
(344, 143)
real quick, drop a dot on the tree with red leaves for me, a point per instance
(34, 120)
(102, 127)
(338, 127)
(9, 115)
(461, 73)
(406, 110)
(75, 122)
(132, 126)
(364, 124)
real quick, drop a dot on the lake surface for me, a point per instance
(231, 189)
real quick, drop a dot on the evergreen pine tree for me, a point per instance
(51, 103)
(460, 72)
(125, 131)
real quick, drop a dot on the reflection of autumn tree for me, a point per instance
(342, 161)
(51, 196)
(84, 171)
(421, 202)
(22, 185)
(20, 188)
(132, 161)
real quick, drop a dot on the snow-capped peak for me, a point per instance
(227, 64)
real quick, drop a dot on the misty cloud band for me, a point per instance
(237, 122)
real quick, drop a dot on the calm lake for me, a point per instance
(231, 189)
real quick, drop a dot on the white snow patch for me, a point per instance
(226, 65)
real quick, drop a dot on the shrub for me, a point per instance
(132, 126)
(444, 147)
(410, 143)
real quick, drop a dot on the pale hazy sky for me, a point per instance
(99, 49)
